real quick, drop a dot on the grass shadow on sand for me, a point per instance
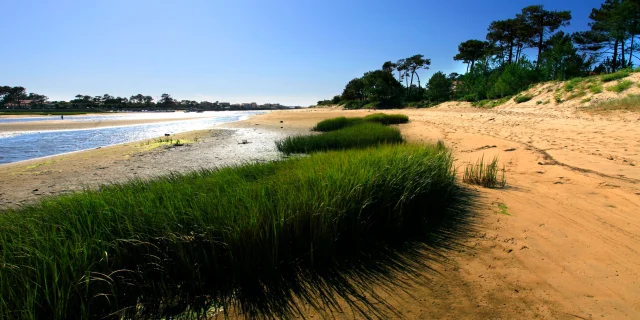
(347, 283)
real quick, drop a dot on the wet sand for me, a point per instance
(565, 247)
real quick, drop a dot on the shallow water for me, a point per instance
(121, 116)
(31, 145)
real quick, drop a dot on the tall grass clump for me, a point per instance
(237, 238)
(362, 135)
(485, 174)
(620, 86)
(387, 119)
(343, 122)
(615, 76)
(335, 124)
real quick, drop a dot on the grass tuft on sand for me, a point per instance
(237, 238)
(487, 175)
(615, 76)
(620, 86)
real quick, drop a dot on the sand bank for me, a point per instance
(74, 125)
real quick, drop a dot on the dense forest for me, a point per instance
(498, 67)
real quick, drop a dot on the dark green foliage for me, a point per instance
(360, 135)
(439, 88)
(382, 87)
(354, 104)
(512, 79)
(561, 60)
(614, 28)
(471, 51)
(376, 89)
(335, 101)
(354, 90)
(252, 238)
(542, 22)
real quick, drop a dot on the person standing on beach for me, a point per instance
(62, 117)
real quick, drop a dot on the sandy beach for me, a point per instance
(566, 247)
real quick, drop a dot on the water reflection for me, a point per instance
(41, 144)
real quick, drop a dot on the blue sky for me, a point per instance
(290, 51)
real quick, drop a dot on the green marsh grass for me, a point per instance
(335, 124)
(387, 119)
(484, 174)
(343, 122)
(361, 135)
(252, 238)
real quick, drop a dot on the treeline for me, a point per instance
(498, 67)
(16, 99)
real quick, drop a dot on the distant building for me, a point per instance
(19, 103)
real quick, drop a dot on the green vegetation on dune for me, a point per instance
(335, 124)
(251, 238)
(615, 76)
(387, 119)
(360, 135)
(488, 103)
(630, 103)
(620, 86)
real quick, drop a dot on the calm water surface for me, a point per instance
(29, 145)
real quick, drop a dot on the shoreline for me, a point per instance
(15, 129)
(69, 124)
